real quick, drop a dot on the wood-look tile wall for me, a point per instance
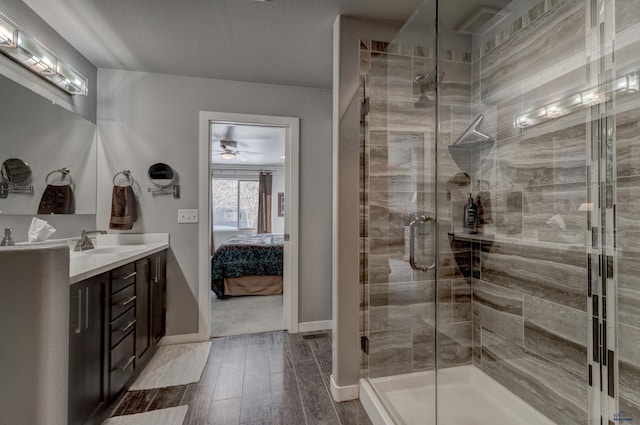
(530, 316)
(627, 154)
(397, 184)
(514, 304)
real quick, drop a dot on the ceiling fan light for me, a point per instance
(228, 155)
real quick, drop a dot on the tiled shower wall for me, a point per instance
(397, 184)
(627, 154)
(517, 306)
(530, 319)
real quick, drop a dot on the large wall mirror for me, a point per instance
(48, 138)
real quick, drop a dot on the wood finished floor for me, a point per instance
(272, 378)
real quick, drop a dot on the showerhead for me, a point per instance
(427, 84)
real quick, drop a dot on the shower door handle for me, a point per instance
(423, 219)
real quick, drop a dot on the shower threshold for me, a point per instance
(466, 395)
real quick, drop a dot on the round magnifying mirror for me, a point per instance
(161, 174)
(16, 171)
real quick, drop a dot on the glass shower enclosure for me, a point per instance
(500, 199)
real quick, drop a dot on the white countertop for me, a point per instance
(112, 251)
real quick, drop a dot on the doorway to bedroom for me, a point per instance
(248, 214)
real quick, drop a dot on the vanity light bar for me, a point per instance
(629, 83)
(8, 34)
(34, 56)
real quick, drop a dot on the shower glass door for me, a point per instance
(527, 336)
(503, 147)
(398, 219)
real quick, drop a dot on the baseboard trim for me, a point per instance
(350, 392)
(179, 339)
(321, 325)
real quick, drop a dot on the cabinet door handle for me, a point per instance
(157, 278)
(128, 301)
(79, 327)
(129, 276)
(126, 328)
(128, 363)
(86, 307)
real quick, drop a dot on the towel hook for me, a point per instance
(127, 174)
(65, 173)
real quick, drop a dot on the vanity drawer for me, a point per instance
(122, 301)
(122, 365)
(122, 277)
(123, 325)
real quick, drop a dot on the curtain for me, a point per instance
(264, 203)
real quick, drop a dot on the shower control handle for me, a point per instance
(423, 219)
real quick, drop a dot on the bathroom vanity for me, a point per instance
(117, 311)
(78, 327)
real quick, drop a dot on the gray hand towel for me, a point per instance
(123, 208)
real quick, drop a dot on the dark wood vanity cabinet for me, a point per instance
(124, 307)
(151, 302)
(158, 295)
(143, 308)
(116, 321)
(86, 348)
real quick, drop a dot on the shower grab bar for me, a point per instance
(423, 219)
(474, 129)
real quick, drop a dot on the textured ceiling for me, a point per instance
(280, 42)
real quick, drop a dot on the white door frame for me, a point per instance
(291, 170)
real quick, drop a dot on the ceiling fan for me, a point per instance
(230, 148)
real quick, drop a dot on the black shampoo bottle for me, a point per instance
(471, 216)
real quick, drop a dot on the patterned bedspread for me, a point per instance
(247, 255)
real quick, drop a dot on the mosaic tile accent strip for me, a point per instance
(536, 12)
(414, 51)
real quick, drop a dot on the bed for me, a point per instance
(248, 265)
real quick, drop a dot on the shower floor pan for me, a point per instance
(466, 396)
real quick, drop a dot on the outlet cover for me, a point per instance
(187, 216)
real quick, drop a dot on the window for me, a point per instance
(235, 204)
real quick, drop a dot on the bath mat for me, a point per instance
(170, 416)
(174, 365)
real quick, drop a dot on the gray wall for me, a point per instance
(30, 22)
(145, 118)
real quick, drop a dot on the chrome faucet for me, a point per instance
(85, 243)
(7, 240)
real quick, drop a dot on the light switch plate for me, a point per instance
(187, 216)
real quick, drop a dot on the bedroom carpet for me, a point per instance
(246, 315)
(171, 416)
(174, 365)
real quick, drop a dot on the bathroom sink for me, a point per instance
(110, 249)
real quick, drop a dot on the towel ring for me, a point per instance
(127, 174)
(65, 173)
